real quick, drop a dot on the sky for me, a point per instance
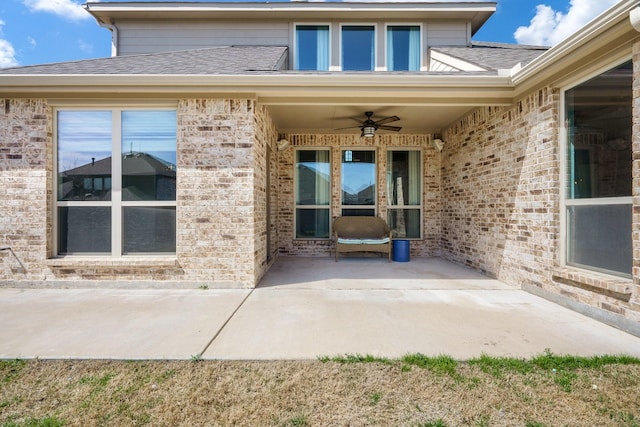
(47, 31)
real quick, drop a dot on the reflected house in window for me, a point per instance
(144, 177)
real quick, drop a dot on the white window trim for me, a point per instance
(375, 42)
(386, 42)
(421, 205)
(565, 201)
(377, 175)
(296, 206)
(295, 41)
(116, 203)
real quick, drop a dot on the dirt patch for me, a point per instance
(310, 393)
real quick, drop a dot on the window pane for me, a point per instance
(358, 177)
(149, 229)
(358, 48)
(312, 47)
(358, 212)
(403, 48)
(313, 186)
(600, 237)
(403, 178)
(149, 155)
(312, 223)
(84, 155)
(405, 222)
(84, 229)
(598, 116)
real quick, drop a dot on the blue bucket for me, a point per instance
(401, 250)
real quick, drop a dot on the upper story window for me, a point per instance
(403, 48)
(312, 47)
(358, 47)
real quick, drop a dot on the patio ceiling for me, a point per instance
(323, 119)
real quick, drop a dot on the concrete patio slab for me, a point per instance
(112, 323)
(306, 308)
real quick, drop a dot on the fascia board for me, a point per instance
(478, 12)
(601, 34)
(285, 87)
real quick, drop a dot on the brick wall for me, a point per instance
(501, 204)
(221, 200)
(25, 186)
(428, 246)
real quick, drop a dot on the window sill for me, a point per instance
(96, 261)
(604, 284)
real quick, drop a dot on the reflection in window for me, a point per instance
(84, 155)
(312, 47)
(312, 194)
(403, 48)
(148, 155)
(358, 48)
(98, 214)
(404, 187)
(358, 174)
(598, 195)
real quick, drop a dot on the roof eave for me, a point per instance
(277, 88)
(478, 12)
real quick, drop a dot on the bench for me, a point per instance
(361, 234)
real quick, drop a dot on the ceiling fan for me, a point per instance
(370, 126)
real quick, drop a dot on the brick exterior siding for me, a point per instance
(221, 201)
(490, 199)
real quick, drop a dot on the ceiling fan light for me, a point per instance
(368, 131)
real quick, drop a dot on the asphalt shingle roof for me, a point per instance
(214, 60)
(494, 56)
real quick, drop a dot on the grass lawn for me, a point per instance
(416, 390)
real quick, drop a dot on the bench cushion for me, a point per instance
(363, 241)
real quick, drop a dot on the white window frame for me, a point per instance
(421, 178)
(565, 200)
(377, 172)
(296, 206)
(386, 43)
(375, 43)
(295, 40)
(116, 204)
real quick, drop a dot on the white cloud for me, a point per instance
(549, 26)
(7, 52)
(7, 55)
(65, 8)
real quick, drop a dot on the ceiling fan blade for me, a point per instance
(387, 120)
(393, 128)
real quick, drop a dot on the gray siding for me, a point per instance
(137, 37)
(450, 33)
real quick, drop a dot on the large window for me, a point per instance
(598, 172)
(312, 194)
(358, 48)
(116, 182)
(358, 174)
(403, 48)
(312, 47)
(404, 189)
